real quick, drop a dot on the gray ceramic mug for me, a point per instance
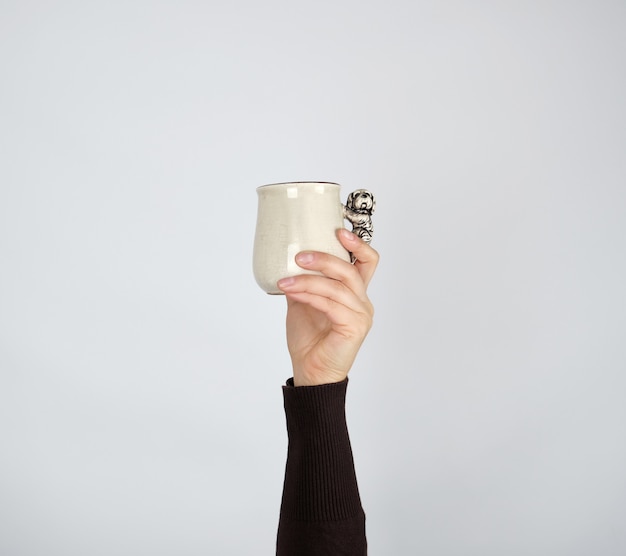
(303, 216)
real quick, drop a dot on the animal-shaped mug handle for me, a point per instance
(358, 211)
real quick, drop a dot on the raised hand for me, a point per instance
(329, 316)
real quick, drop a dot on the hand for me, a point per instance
(329, 316)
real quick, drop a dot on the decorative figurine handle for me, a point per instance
(358, 210)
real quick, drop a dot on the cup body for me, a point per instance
(294, 217)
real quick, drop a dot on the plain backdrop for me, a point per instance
(140, 364)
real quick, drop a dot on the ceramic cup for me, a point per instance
(294, 217)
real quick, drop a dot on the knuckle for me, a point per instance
(365, 326)
(366, 319)
(375, 255)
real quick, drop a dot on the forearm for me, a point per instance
(321, 510)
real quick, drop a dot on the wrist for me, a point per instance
(299, 382)
(317, 379)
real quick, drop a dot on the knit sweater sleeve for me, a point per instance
(321, 512)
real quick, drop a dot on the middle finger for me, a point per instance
(335, 268)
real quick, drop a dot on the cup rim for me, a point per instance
(298, 183)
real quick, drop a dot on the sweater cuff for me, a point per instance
(320, 480)
(315, 406)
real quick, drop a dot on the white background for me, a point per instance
(140, 364)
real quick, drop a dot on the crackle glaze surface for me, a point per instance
(294, 217)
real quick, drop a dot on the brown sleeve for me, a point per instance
(321, 511)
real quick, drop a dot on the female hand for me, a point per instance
(329, 316)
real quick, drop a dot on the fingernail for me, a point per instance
(285, 282)
(305, 257)
(347, 234)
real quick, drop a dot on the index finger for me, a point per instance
(366, 256)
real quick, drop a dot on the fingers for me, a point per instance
(345, 276)
(330, 292)
(353, 319)
(355, 276)
(350, 314)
